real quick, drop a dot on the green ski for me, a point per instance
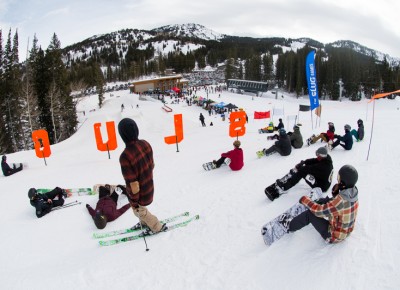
(139, 236)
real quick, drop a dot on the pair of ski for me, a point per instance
(139, 234)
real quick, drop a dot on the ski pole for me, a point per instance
(144, 238)
(66, 205)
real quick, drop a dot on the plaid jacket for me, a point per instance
(137, 165)
(340, 212)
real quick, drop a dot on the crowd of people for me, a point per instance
(333, 217)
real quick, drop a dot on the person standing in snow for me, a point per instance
(334, 218)
(45, 202)
(201, 118)
(7, 170)
(316, 172)
(106, 208)
(235, 157)
(137, 166)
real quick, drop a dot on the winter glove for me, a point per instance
(300, 164)
(135, 188)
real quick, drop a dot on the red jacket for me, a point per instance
(236, 157)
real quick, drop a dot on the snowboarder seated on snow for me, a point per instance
(137, 166)
(44, 202)
(269, 129)
(280, 125)
(333, 218)
(235, 156)
(317, 172)
(106, 208)
(346, 141)
(282, 146)
(7, 170)
(326, 137)
(359, 133)
(296, 139)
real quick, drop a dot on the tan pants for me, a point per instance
(316, 138)
(147, 218)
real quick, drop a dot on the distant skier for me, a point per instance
(7, 170)
(334, 218)
(235, 156)
(122, 107)
(106, 208)
(280, 125)
(316, 172)
(44, 202)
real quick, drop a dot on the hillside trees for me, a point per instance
(33, 96)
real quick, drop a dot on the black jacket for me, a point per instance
(320, 169)
(283, 145)
(41, 205)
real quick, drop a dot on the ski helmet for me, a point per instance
(100, 220)
(32, 193)
(348, 176)
(236, 143)
(321, 152)
(347, 127)
(3, 158)
(282, 131)
(360, 122)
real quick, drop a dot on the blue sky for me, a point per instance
(373, 24)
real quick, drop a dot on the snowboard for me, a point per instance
(211, 166)
(262, 131)
(71, 191)
(279, 226)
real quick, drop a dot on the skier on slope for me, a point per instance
(235, 156)
(334, 218)
(106, 208)
(317, 172)
(45, 202)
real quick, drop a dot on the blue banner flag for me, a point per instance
(311, 74)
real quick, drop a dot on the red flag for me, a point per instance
(262, 115)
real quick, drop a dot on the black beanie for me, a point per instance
(128, 130)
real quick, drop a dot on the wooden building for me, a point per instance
(160, 84)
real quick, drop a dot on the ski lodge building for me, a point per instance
(160, 84)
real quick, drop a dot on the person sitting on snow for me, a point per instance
(334, 218)
(316, 172)
(45, 202)
(326, 137)
(346, 141)
(106, 208)
(359, 133)
(235, 156)
(282, 146)
(7, 170)
(280, 125)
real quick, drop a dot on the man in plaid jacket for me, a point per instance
(137, 166)
(333, 218)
